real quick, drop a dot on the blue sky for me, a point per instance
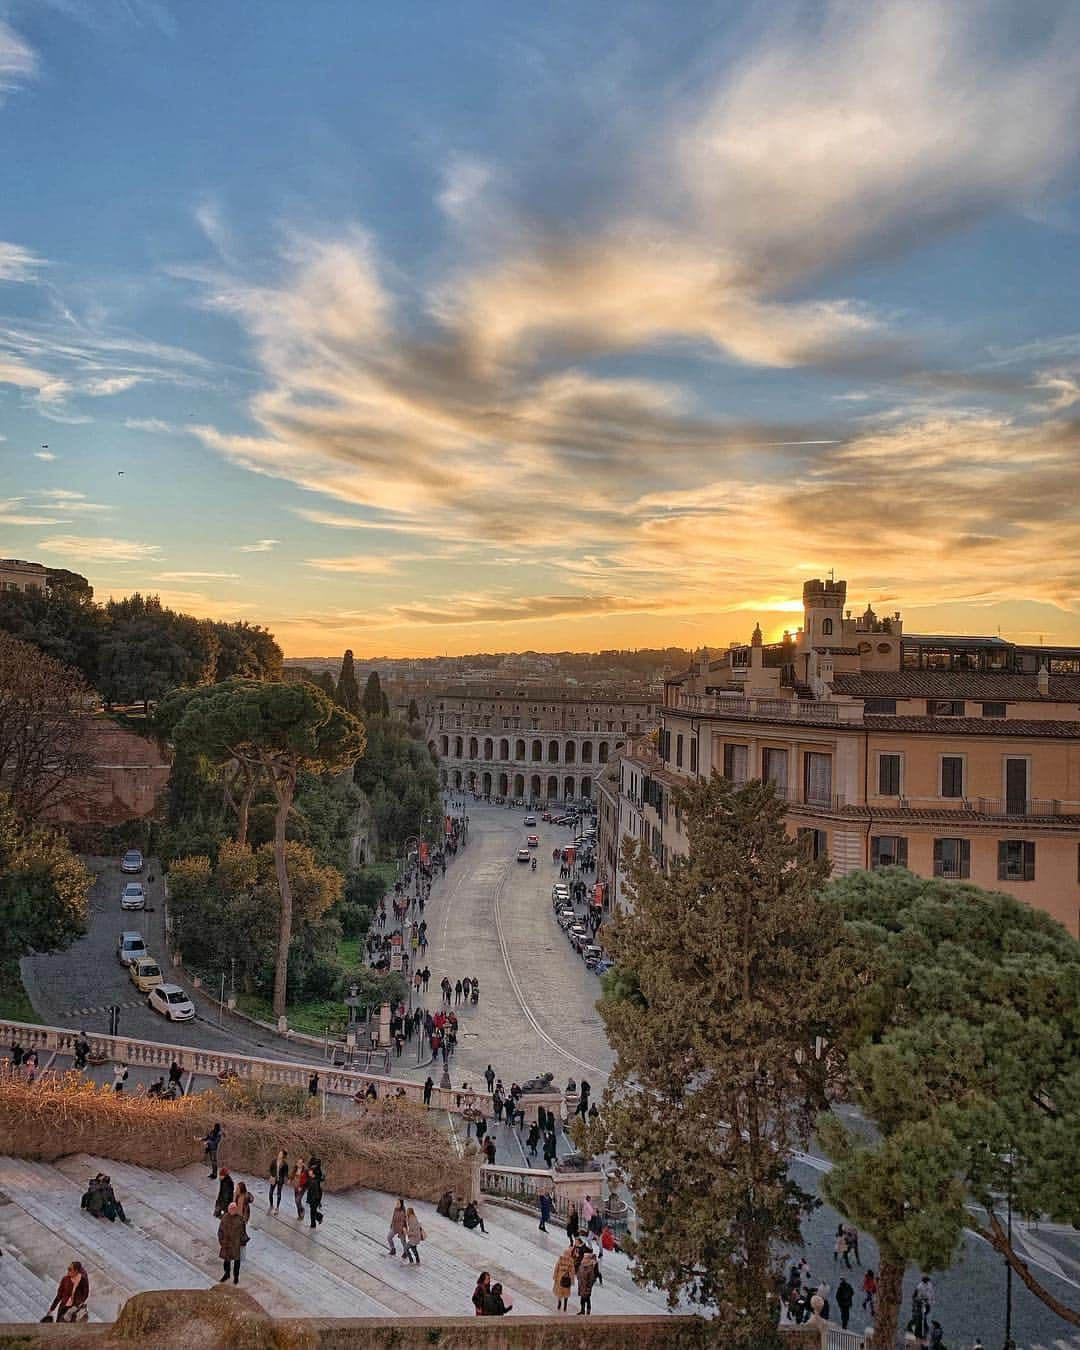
(420, 328)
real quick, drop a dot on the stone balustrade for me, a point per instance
(216, 1063)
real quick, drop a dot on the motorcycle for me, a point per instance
(534, 864)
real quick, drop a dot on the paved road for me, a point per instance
(492, 917)
(75, 988)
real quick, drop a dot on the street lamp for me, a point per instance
(1009, 1342)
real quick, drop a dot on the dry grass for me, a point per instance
(392, 1148)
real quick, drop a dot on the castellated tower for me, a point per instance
(823, 612)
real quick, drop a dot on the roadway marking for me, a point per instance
(529, 1015)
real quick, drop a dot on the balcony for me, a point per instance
(1029, 809)
(769, 709)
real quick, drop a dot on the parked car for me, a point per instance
(523, 855)
(591, 954)
(170, 1001)
(145, 973)
(133, 896)
(560, 894)
(565, 918)
(132, 861)
(546, 817)
(530, 820)
(130, 947)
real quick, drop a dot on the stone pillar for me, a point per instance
(575, 1186)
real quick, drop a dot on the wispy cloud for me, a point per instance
(196, 576)
(18, 511)
(18, 263)
(358, 565)
(86, 549)
(46, 455)
(154, 424)
(18, 63)
(259, 546)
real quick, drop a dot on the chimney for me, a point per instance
(1044, 681)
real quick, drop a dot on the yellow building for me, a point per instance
(957, 757)
(16, 575)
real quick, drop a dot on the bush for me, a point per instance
(392, 1147)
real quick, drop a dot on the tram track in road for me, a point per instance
(515, 985)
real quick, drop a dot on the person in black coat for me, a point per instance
(429, 1083)
(314, 1191)
(845, 1296)
(224, 1194)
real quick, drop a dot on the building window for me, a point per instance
(888, 850)
(945, 707)
(952, 858)
(774, 769)
(888, 768)
(735, 763)
(826, 627)
(882, 706)
(817, 778)
(693, 754)
(1016, 860)
(813, 843)
(952, 775)
(678, 750)
(1016, 787)
(993, 709)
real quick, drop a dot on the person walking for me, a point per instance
(175, 1075)
(532, 1139)
(299, 1186)
(242, 1201)
(279, 1175)
(562, 1280)
(399, 1224)
(572, 1223)
(489, 1078)
(845, 1296)
(69, 1305)
(314, 1192)
(211, 1143)
(232, 1237)
(483, 1284)
(495, 1304)
(852, 1235)
(545, 1210)
(120, 1074)
(587, 1272)
(489, 1150)
(414, 1235)
(226, 1187)
(429, 1083)
(840, 1246)
(313, 1085)
(869, 1292)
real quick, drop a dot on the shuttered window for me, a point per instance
(952, 858)
(889, 775)
(952, 775)
(888, 850)
(1016, 860)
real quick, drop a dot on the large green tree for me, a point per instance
(348, 691)
(731, 984)
(43, 889)
(372, 702)
(278, 731)
(964, 1054)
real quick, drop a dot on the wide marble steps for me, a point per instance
(342, 1269)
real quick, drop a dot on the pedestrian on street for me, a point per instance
(414, 1235)
(232, 1238)
(299, 1186)
(242, 1201)
(429, 1083)
(562, 1280)
(279, 1175)
(489, 1078)
(852, 1235)
(225, 1190)
(82, 1050)
(175, 1075)
(457, 994)
(399, 1222)
(211, 1143)
(545, 1210)
(489, 1150)
(840, 1246)
(313, 1085)
(495, 1304)
(533, 1139)
(120, 1073)
(314, 1192)
(69, 1305)
(845, 1296)
(587, 1273)
(572, 1224)
(869, 1291)
(483, 1284)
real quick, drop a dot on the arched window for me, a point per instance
(826, 627)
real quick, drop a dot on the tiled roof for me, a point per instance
(956, 684)
(976, 726)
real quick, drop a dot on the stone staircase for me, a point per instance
(342, 1269)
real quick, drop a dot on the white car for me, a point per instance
(130, 946)
(133, 896)
(523, 855)
(171, 1001)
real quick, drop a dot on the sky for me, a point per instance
(434, 328)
